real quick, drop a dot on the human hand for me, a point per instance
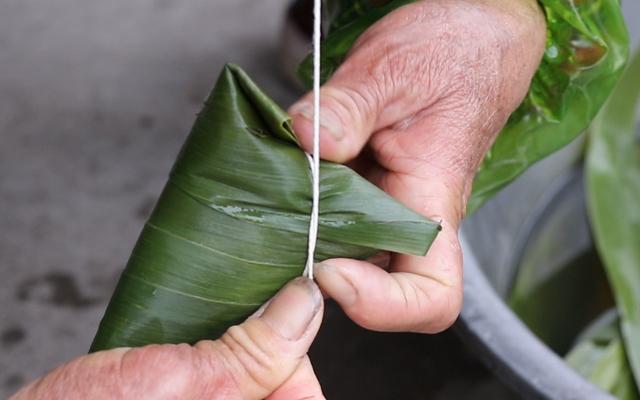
(417, 103)
(265, 357)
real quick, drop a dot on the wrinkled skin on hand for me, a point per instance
(414, 107)
(265, 357)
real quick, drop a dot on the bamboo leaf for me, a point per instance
(613, 194)
(231, 225)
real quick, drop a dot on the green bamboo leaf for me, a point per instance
(586, 51)
(600, 357)
(613, 194)
(231, 225)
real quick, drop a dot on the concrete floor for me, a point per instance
(96, 98)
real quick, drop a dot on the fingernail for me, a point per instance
(293, 308)
(329, 121)
(339, 288)
(304, 109)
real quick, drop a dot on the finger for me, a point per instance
(424, 295)
(361, 97)
(421, 294)
(250, 361)
(347, 118)
(303, 384)
(261, 354)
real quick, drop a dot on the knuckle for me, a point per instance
(352, 106)
(433, 303)
(451, 309)
(249, 360)
(137, 359)
(172, 369)
(367, 319)
(351, 103)
(447, 304)
(394, 65)
(420, 304)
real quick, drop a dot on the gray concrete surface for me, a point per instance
(95, 99)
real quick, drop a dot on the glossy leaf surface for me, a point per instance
(231, 225)
(613, 194)
(586, 52)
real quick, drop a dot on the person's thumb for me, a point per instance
(350, 111)
(262, 353)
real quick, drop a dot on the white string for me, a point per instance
(314, 161)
